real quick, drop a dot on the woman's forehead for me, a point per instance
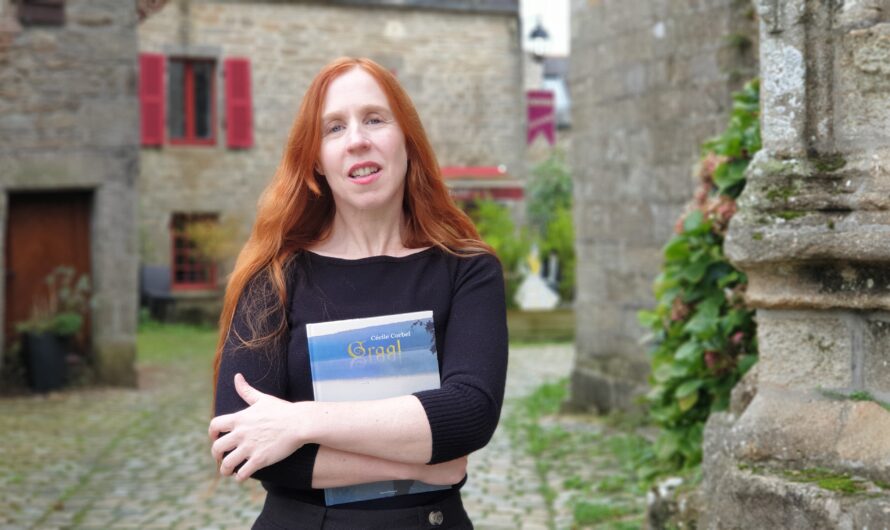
(354, 89)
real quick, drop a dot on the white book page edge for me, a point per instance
(336, 326)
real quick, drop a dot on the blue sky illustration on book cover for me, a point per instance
(373, 358)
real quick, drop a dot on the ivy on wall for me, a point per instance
(703, 334)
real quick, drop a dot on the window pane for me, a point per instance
(203, 72)
(175, 92)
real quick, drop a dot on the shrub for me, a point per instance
(704, 336)
(496, 227)
(549, 209)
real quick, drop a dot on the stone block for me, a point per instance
(603, 392)
(862, 85)
(742, 494)
(803, 430)
(116, 362)
(875, 371)
(806, 349)
(745, 499)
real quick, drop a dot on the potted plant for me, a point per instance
(55, 319)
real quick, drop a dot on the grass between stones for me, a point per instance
(586, 466)
(165, 343)
(828, 480)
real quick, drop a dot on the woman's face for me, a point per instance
(363, 155)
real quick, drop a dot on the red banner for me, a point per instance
(541, 116)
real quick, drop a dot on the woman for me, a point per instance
(357, 223)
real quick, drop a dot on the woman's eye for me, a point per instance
(335, 128)
(375, 121)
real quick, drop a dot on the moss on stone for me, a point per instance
(757, 236)
(881, 484)
(829, 163)
(738, 41)
(861, 395)
(776, 193)
(779, 167)
(827, 480)
(841, 484)
(788, 215)
(857, 395)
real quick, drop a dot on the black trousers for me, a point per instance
(281, 513)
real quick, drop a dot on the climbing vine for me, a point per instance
(703, 334)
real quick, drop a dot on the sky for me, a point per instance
(555, 17)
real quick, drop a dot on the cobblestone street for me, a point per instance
(114, 458)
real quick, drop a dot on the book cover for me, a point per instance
(373, 358)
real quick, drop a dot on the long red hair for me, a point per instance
(296, 210)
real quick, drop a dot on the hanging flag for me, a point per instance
(541, 116)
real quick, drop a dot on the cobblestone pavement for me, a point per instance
(116, 458)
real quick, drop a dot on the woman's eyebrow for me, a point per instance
(363, 110)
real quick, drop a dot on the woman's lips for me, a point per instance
(367, 179)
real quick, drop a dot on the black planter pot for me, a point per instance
(45, 362)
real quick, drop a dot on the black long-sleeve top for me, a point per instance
(466, 296)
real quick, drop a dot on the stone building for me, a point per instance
(650, 80)
(806, 442)
(210, 155)
(69, 160)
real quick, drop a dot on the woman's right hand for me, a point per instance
(446, 473)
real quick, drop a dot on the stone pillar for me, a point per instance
(813, 236)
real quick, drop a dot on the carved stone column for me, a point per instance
(813, 235)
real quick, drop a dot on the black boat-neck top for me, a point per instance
(466, 296)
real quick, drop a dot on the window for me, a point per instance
(178, 101)
(191, 269)
(41, 12)
(191, 112)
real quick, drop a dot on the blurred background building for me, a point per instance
(221, 82)
(69, 165)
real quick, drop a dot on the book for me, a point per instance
(373, 358)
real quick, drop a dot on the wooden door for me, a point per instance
(44, 231)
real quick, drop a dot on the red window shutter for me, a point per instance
(239, 106)
(151, 98)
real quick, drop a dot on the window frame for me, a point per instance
(40, 12)
(188, 250)
(188, 79)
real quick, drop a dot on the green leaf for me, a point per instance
(667, 445)
(648, 319)
(677, 248)
(705, 320)
(689, 351)
(687, 402)
(688, 388)
(656, 394)
(693, 221)
(746, 362)
(730, 174)
(695, 271)
(662, 373)
(682, 370)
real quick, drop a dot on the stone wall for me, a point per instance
(650, 80)
(69, 119)
(462, 70)
(812, 236)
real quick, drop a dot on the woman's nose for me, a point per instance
(357, 139)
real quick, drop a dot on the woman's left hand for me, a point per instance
(264, 433)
